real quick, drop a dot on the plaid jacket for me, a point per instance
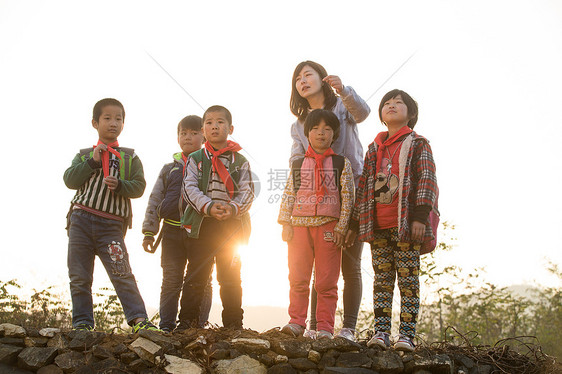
(417, 186)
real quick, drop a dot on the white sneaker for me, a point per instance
(405, 344)
(381, 339)
(347, 333)
(310, 334)
(323, 334)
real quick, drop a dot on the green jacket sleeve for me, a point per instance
(79, 172)
(134, 187)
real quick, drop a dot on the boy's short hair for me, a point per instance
(408, 100)
(191, 122)
(219, 108)
(98, 108)
(316, 116)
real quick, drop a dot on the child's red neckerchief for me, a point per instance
(318, 169)
(184, 158)
(105, 156)
(219, 167)
(382, 143)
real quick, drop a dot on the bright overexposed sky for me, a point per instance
(486, 74)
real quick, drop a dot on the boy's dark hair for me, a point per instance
(219, 108)
(408, 100)
(98, 108)
(299, 105)
(316, 116)
(192, 122)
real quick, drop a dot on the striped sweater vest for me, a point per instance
(96, 195)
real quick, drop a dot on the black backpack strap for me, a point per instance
(339, 163)
(296, 169)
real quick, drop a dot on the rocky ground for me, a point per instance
(223, 351)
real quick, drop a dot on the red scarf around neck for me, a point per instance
(319, 169)
(184, 158)
(382, 143)
(105, 156)
(219, 167)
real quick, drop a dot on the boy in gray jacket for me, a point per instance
(166, 204)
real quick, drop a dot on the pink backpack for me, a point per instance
(429, 245)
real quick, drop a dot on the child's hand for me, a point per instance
(112, 182)
(98, 151)
(418, 231)
(217, 211)
(350, 238)
(221, 211)
(338, 239)
(287, 233)
(148, 244)
(335, 82)
(228, 211)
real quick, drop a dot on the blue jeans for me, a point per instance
(91, 235)
(175, 245)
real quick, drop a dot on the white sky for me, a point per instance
(486, 75)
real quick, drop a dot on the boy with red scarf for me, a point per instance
(396, 193)
(106, 177)
(315, 212)
(219, 190)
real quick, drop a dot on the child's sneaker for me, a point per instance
(311, 334)
(381, 339)
(347, 333)
(405, 344)
(83, 327)
(323, 334)
(292, 329)
(144, 325)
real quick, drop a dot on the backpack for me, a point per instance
(433, 221)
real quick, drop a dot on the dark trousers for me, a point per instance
(218, 242)
(175, 245)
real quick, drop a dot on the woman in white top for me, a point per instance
(313, 88)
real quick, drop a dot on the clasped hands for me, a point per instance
(221, 211)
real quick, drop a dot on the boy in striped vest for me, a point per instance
(106, 176)
(219, 190)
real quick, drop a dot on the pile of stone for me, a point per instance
(221, 351)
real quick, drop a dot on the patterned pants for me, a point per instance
(391, 257)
